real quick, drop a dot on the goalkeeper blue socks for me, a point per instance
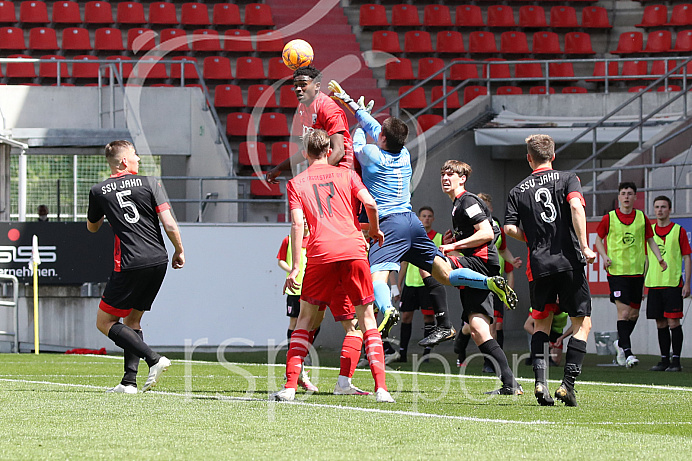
(464, 277)
(383, 296)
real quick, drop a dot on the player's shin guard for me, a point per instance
(126, 338)
(131, 365)
(624, 328)
(300, 345)
(677, 338)
(350, 353)
(464, 277)
(438, 295)
(664, 342)
(576, 350)
(539, 341)
(383, 296)
(492, 349)
(375, 355)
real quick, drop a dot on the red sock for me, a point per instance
(350, 353)
(294, 358)
(375, 354)
(312, 335)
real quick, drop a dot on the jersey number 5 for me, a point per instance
(543, 197)
(315, 189)
(131, 214)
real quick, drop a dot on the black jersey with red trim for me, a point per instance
(131, 203)
(467, 211)
(540, 206)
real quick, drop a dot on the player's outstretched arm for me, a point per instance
(283, 166)
(579, 222)
(336, 142)
(173, 233)
(94, 226)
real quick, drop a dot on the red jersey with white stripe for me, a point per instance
(131, 203)
(326, 194)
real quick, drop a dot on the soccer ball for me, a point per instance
(297, 53)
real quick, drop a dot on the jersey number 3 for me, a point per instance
(131, 214)
(543, 197)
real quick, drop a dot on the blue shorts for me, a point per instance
(405, 239)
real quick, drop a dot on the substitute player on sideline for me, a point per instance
(324, 195)
(546, 210)
(666, 288)
(133, 205)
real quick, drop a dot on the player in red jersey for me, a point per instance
(133, 205)
(337, 254)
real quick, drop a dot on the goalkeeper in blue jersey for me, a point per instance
(386, 171)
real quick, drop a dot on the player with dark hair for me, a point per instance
(324, 195)
(546, 210)
(134, 205)
(667, 288)
(626, 231)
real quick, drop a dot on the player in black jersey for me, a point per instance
(133, 205)
(546, 210)
(470, 244)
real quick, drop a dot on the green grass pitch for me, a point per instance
(55, 407)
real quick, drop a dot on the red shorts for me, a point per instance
(339, 284)
(552, 307)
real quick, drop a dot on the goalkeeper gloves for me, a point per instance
(343, 97)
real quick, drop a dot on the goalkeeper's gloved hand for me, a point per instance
(343, 97)
(362, 106)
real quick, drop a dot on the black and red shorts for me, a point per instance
(664, 303)
(627, 289)
(132, 289)
(414, 298)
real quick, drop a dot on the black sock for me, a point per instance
(664, 342)
(131, 364)
(500, 337)
(539, 360)
(492, 349)
(314, 336)
(438, 295)
(625, 329)
(405, 332)
(676, 339)
(289, 332)
(387, 347)
(461, 342)
(126, 338)
(576, 350)
(428, 328)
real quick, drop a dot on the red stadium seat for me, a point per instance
(509, 90)
(562, 70)
(437, 16)
(282, 151)
(681, 15)
(414, 100)
(662, 89)
(75, 39)
(427, 121)
(599, 70)
(258, 14)
(252, 154)
(108, 39)
(50, 69)
(261, 188)
(269, 41)
(563, 17)
(237, 41)
(637, 69)
(462, 70)
(141, 39)
(499, 71)
(217, 68)
(162, 13)
(574, 90)
(205, 40)
(273, 124)
(528, 70)
(400, 69)
(287, 98)
(12, 38)
(683, 41)
(387, 41)
(372, 15)
(240, 124)
(595, 17)
(630, 43)
(130, 13)
(150, 69)
(20, 69)
(654, 16)
(469, 16)
(500, 16)
(85, 69)
(277, 70)
(685, 70)
(173, 40)
(404, 15)
(661, 67)
(66, 12)
(452, 98)
(226, 14)
(541, 90)
(33, 12)
(578, 43)
(262, 96)
(123, 65)
(428, 66)
(187, 70)
(98, 12)
(43, 38)
(658, 42)
(512, 42)
(545, 42)
(227, 95)
(194, 14)
(249, 68)
(8, 14)
(532, 16)
(482, 43)
(473, 91)
(450, 41)
(417, 41)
